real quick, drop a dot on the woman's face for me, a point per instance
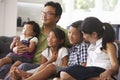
(74, 35)
(52, 40)
(90, 37)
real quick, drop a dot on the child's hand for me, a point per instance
(53, 58)
(18, 43)
(54, 55)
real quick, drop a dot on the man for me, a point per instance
(50, 16)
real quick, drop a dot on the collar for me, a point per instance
(98, 42)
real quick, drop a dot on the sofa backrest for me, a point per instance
(5, 45)
(119, 53)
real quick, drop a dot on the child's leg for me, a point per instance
(12, 70)
(15, 72)
(5, 60)
(94, 78)
(23, 74)
(43, 74)
(16, 64)
(56, 79)
(42, 66)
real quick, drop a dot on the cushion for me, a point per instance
(5, 45)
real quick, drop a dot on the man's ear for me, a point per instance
(57, 18)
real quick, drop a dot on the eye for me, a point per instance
(47, 13)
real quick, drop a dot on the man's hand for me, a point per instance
(20, 49)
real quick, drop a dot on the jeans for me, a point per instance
(4, 70)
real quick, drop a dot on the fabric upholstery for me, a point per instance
(5, 45)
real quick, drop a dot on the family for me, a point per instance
(85, 51)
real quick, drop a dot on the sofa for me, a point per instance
(5, 49)
(5, 42)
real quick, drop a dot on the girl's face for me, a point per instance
(52, 40)
(90, 37)
(28, 30)
(74, 35)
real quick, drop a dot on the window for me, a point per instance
(109, 5)
(105, 10)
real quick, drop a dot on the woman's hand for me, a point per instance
(106, 75)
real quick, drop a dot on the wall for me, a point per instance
(1, 16)
(29, 10)
(8, 15)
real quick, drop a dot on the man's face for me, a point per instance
(48, 15)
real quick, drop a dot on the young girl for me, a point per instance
(102, 53)
(56, 54)
(30, 32)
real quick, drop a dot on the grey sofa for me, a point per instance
(4, 45)
(5, 49)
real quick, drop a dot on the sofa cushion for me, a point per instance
(5, 45)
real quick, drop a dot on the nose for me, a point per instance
(49, 38)
(43, 14)
(23, 31)
(43, 17)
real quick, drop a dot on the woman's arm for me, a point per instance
(111, 52)
(20, 49)
(24, 48)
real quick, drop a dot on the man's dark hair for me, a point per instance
(56, 5)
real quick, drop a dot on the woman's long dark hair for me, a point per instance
(104, 30)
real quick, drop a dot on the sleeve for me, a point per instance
(45, 53)
(63, 51)
(61, 54)
(34, 39)
(83, 51)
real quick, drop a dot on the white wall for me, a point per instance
(1, 17)
(8, 15)
(29, 10)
